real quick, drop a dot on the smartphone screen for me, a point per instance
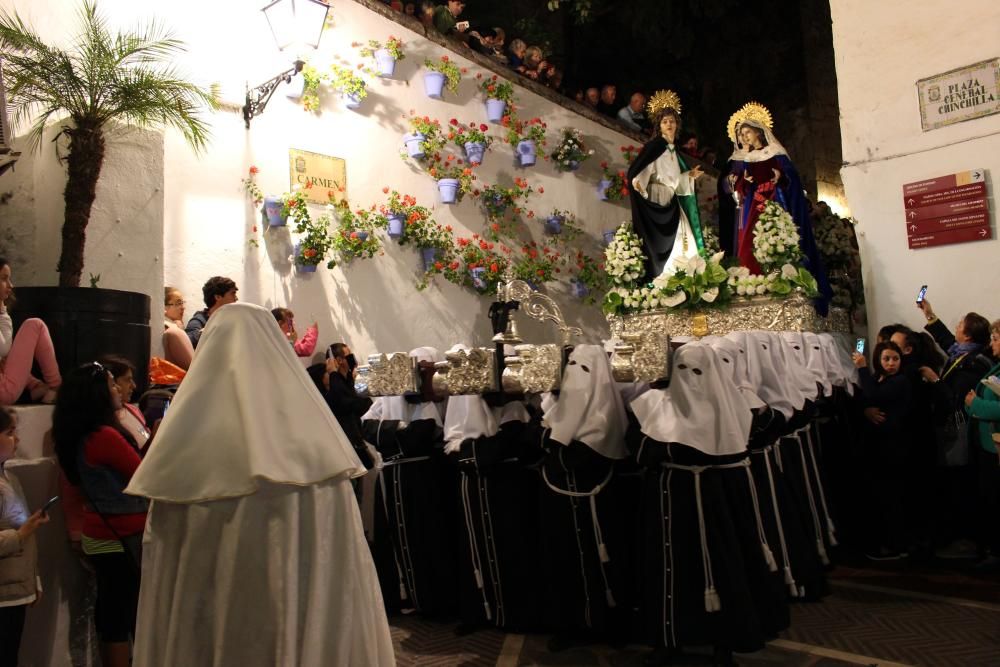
(859, 345)
(52, 501)
(921, 294)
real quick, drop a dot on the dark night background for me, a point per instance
(717, 54)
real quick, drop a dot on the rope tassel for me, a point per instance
(772, 566)
(712, 601)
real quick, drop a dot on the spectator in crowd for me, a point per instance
(446, 18)
(516, 53)
(177, 347)
(633, 114)
(410, 9)
(98, 456)
(533, 57)
(606, 105)
(592, 98)
(983, 406)
(427, 13)
(483, 40)
(20, 585)
(578, 96)
(554, 78)
(499, 40)
(217, 292)
(689, 145)
(343, 398)
(129, 416)
(17, 352)
(305, 346)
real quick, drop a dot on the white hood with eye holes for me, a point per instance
(589, 408)
(703, 408)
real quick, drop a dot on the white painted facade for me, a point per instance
(206, 219)
(882, 49)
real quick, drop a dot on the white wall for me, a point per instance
(882, 49)
(206, 219)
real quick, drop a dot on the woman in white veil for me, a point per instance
(254, 552)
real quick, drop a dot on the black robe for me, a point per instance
(655, 225)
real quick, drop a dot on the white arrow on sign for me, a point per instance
(913, 228)
(982, 232)
(912, 214)
(910, 201)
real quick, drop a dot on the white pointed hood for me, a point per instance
(589, 407)
(734, 361)
(813, 370)
(767, 378)
(702, 408)
(247, 411)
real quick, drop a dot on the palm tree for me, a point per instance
(105, 77)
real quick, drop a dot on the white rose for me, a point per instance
(788, 271)
(710, 295)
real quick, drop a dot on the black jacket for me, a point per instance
(348, 407)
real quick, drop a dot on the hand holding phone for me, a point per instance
(52, 501)
(921, 294)
(859, 345)
(462, 26)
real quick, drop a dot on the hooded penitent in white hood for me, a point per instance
(702, 408)
(809, 365)
(734, 360)
(247, 411)
(839, 363)
(589, 408)
(254, 553)
(766, 378)
(816, 360)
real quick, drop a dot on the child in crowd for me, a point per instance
(20, 585)
(887, 393)
(305, 346)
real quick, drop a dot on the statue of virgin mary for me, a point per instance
(664, 206)
(761, 171)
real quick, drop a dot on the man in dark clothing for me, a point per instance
(217, 292)
(446, 17)
(343, 398)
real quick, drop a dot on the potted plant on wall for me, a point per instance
(424, 139)
(138, 86)
(571, 151)
(385, 55)
(454, 180)
(471, 138)
(499, 96)
(354, 237)
(351, 86)
(527, 138)
(314, 243)
(441, 74)
(398, 215)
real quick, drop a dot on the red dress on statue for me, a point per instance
(765, 180)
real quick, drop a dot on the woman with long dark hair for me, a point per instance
(98, 457)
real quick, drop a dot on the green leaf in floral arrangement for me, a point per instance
(612, 303)
(808, 282)
(716, 274)
(781, 287)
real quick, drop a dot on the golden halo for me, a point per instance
(664, 99)
(752, 111)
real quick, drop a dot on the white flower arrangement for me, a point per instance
(775, 238)
(623, 258)
(571, 151)
(695, 282)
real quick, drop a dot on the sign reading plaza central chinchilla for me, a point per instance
(960, 94)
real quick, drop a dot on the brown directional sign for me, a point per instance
(947, 209)
(960, 235)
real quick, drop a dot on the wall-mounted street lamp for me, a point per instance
(295, 23)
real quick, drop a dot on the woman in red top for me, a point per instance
(98, 457)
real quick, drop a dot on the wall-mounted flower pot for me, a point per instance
(553, 224)
(395, 228)
(414, 144)
(428, 256)
(474, 152)
(434, 84)
(526, 155)
(495, 110)
(448, 187)
(478, 277)
(273, 211)
(385, 62)
(602, 189)
(352, 101)
(609, 236)
(578, 289)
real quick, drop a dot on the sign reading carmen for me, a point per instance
(961, 94)
(322, 178)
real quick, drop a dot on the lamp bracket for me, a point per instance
(257, 98)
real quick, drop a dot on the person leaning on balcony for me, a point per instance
(446, 17)
(217, 291)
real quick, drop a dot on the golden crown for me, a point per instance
(751, 111)
(664, 99)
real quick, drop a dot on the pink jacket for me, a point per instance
(305, 346)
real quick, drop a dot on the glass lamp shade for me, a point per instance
(296, 22)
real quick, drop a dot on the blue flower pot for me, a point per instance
(609, 236)
(306, 268)
(573, 165)
(553, 224)
(526, 153)
(578, 289)
(428, 256)
(495, 110)
(602, 189)
(363, 236)
(414, 147)
(434, 84)
(273, 212)
(385, 62)
(474, 151)
(478, 280)
(448, 187)
(395, 227)
(352, 101)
